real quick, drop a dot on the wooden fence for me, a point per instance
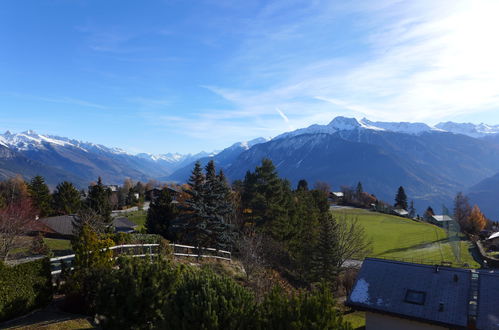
(145, 250)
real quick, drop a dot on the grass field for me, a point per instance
(399, 238)
(138, 217)
(58, 246)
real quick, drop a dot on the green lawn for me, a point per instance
(58, 246)
(399, 238)
(138, 217)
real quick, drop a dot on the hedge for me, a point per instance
(24, 287)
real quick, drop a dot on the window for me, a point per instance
(415, 297)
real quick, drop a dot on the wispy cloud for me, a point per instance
(415, 61)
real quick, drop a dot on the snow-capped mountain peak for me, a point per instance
(340, 124)
(473, 130)
(344, 124)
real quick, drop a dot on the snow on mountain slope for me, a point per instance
(473, 130)
(401, 127)
(340, 124)
(30, 140)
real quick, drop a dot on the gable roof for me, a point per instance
(441, 218)
(123, 222)
(431, 294)
(62, 225)
(401, 212)
(488, 301)
(494, 235)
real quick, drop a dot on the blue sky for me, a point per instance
(184, 76)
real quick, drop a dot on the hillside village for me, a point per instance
(316, 236)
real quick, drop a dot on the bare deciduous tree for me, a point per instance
(91, 218)
(353, 242)
(251, 252)
(16, 219)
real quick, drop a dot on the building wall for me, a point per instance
(376, 321)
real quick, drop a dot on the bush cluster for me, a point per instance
(24, 287)
(140, 294)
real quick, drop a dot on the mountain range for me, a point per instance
(58, 158)
(433, 163)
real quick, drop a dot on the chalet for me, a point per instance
(56, 227)
(400, 295)
(493, 241)
(154, 193)
(401, 213)
(440, 220)
(336, 197)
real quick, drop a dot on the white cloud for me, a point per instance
(413, 61)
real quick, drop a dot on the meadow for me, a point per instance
(408, 240)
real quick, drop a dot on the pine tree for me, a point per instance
(428, 213)
(358, 191)
(401, 199)
(66, 198)
(98, 200)
(160, 215)
(325, 257)
(412, 210)
(302, 185)
(40, 195)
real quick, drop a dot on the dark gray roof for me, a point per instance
(123, 222)
(382, 286)
(62, 225)
(488, 300)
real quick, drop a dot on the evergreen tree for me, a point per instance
(302, 185)
(267, 199)
(66, 198)
(358, 191)
(98, 200)
(325, 257)
(401, 199)
(208, 208)
(160, 215)
(40, 195)
(412, 210)
(428, 213)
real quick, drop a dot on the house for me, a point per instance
(493, 241)
(336, 197)
(440, 220)
(123, 225)
(401, 213)
(56, 227)
(154, 193)
(400, 295)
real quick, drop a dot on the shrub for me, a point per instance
(133, 296)
(24, 287)
(306, 310)
(207, 301)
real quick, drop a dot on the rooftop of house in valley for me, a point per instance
(449, 297)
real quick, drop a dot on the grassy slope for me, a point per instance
(399, 238)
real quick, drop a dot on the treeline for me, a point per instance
(266, 222)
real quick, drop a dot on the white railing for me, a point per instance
(188, 251)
